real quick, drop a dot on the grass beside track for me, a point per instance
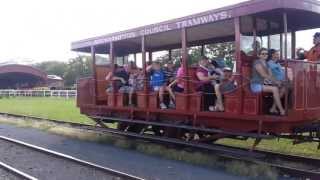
(65, 109)
(45, 107)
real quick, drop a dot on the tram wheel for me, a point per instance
(122, 126)
(136, 128)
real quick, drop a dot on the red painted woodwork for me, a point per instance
(243, 109)
(142, 100)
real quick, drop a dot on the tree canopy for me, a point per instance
(70, 71)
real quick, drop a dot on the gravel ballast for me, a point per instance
(45, 166)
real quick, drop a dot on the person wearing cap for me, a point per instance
(204, 83)
(226, 85)
(314, 53)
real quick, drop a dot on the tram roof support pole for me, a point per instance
(135, 58)
(94, 70)
(170, 54)
(255, 53)
(285, 29)
(184, 53)
(150, 57)
(144, 64)
(111, 56)
(202, 50)
(281, 46)
(112, 60)
(293, 44)
(269, 37)
(237, 44)
(238, 55)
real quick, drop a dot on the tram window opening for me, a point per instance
(222, 53)
(139, 60)
(102, 59)
(119, 61)
(194, 54)
(161, 56)
(304, 39)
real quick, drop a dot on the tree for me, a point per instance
(212, 51)
(77, 68)
(72, 70)
(52, 67)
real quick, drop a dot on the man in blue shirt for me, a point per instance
(158, 82)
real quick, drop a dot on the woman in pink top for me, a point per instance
(177, 85)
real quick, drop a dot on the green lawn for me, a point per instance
(283, 146)
(46, 107)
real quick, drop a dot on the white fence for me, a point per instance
(39, 93)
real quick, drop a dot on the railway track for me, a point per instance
(13, 173)
(37, 158)
(292, 165)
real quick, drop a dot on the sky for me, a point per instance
(42, 30)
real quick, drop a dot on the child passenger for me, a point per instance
(177, 85)
(136, 80)
(226, 85)
(158, 82)
(274, 65)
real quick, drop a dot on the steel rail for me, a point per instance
(229, 152)
(16, 172)
(71, 158)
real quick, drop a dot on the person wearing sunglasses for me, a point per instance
(263, 81)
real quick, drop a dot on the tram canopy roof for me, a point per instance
(210, 26)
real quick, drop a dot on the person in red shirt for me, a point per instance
(314, 53)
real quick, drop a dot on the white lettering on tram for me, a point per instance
(120, 37)
(209, 18)
(203, 19)
(154, 30)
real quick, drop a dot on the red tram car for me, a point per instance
(273, 21)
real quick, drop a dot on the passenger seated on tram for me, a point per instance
(170, 72)
(136, 82)
(158, 83)
(205, 83)
(278, 73)
(121, 78)
(177, 85)
(274, 65)
(314, 53)
(227, 84)
(263, 81)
